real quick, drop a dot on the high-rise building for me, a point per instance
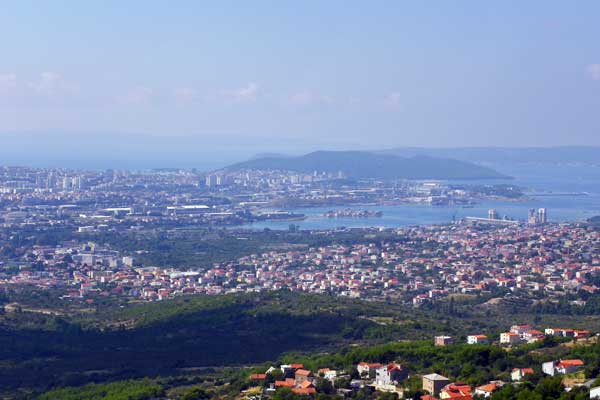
(492, 214)
(66, 183)
(211, 180)
(51, 181)
(536, 217)
(542, 216)
(532, 217)
(76, 183)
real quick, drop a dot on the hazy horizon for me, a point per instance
(335, 75)
(139, 151)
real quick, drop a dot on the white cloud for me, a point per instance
(593, 71)
(136, 96)
(8, 81)
(246, 94)
(46, 88)
(306, 98)
(51, 83)
(393, 100)
(184, 95)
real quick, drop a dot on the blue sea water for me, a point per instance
(570, 193)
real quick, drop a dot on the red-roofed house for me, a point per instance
(304, 391)
(561, 367)
(456, 391)
(487, 390)
(477, 339)
(509, 338)
(390, 374)
(532, 335)
(519, 329)
(364, 368)
(581, 334)
(288, 382)
(303, 375)
(518, 373)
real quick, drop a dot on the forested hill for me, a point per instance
(363, 164)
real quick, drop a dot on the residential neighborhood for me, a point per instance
(395, 377)
(418, 265)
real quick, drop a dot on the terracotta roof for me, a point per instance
(289, 382)
(571, 363)
(303, 372)
(489, 388)
(524, 370)
(306, 384)
(457, 391)
(534, 332)
(479, 336)
(309, 390)
(393, 366)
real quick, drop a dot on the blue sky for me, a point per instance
(310, 74)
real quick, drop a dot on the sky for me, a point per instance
(287, 75)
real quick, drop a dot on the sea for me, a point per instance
(568, 192)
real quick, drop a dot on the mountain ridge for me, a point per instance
(502, 155)
(366, 164)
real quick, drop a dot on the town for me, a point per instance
(80, 246)
(419, 265)
(102, 200)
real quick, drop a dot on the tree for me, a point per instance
(324, 386)
(196, 394)
(285, 393)
(550, 388)
(342, 383)
(388, 396)
(526, 394)
(275, 375)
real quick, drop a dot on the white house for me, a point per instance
(329, 374)
(364, 368)
(561, 367)
(519, 329)
(518, 373)
(486, 390)
(390, 374)
(532, 335)
(477, 339)
(550, 332)
(509, 338)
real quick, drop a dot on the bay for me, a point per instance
(569, 193)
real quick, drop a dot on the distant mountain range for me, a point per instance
(363, 164)
(209, 152)
(507, 155)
